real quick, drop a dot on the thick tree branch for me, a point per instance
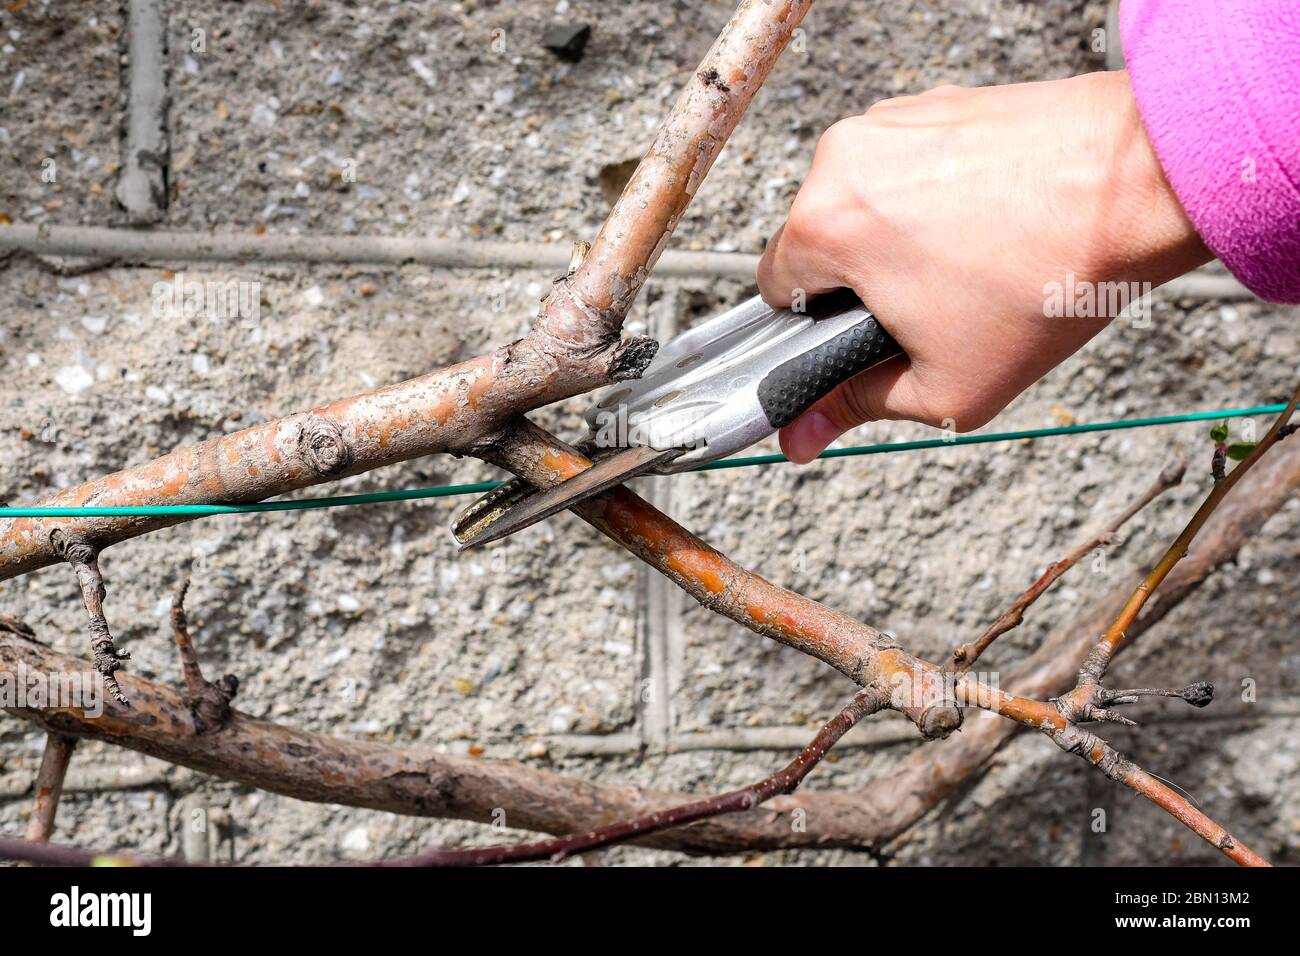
(573, 346)
(315, 767)
(561, 848)
(323, 769)
(857, 650)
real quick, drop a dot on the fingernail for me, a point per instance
(809, 437)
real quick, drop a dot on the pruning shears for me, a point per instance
(710, 392)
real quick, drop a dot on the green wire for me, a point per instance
(448, 491)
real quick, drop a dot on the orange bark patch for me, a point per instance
(174, 486)
(562, 464)
(699, 566)
(479, 388)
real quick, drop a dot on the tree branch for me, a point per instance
(209, 703)
(49, 786)
(1066, 734)
(324, 769)
(573, 346)
(561, 848)
(940, 771)
(1094, 667)
(315, 767)
(688, 142)
(712, 579)
(85, 562)
(857, 650)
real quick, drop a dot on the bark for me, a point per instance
(323, 769)
(944, 769)
(315, 767)
(573, 347)
(49, 786)
(471, 408)
(857, 650)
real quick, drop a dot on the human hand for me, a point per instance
(952, 214)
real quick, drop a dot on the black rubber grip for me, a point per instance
(787, 391)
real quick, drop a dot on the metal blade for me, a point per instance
(492, 521)
(490, 507)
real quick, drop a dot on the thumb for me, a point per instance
(877, 394)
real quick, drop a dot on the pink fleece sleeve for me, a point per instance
(1218, 86)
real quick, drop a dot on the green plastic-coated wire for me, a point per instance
(448, 491)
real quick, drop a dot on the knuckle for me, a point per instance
(802, 228)
(819, 201)
(824, 217)
(888, 112)
(946, 91)
(880, 107)
(839, 138)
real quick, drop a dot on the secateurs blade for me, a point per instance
(709, 393)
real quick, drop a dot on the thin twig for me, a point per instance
(209, 703)
(49, 786)
(1066, 734)
(54, 854)
(1094, 667)
(184, 644)
(966, 655)
(85, 562)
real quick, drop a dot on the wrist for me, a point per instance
(1151, 237)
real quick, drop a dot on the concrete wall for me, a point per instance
(556, 647)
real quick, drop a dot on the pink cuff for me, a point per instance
(1218, 86)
